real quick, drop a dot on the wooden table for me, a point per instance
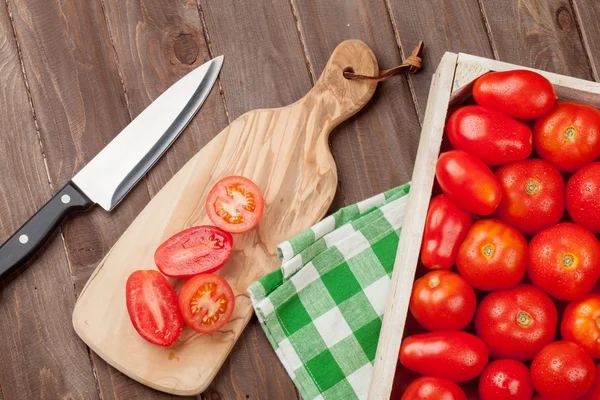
(73, 73)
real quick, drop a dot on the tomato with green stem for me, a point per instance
(516, 323)
(443, 300)
(564, 261)
(493, 255)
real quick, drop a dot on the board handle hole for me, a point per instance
(349, 70)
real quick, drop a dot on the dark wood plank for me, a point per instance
(80, 107)
(540, 34)
(443, 25)
(157, 43)
(587, 14)
(251, 377)
(41, 356)
(264, 67)
(375, 150)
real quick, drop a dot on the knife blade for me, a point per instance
(113, 172)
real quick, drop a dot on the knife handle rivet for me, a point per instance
(65, 198)
(23, 239)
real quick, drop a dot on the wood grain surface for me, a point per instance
(75, 73)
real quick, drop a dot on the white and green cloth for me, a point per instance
(322, 310)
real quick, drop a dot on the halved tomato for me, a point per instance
(235, 204)
(152, 307)
(206, 302)
(196, 250)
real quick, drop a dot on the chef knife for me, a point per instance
(109, 176)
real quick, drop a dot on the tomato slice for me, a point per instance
(196, 250)
(235, 204)
(206, 302)
(152, 307)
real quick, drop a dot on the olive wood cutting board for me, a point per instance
(285, 151)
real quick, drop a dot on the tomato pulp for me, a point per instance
(564, 261)
(206, 302)
(431, 388)
(568, 136)
(516, 323)
(519, 93)
(468, 182)
(583, 192)
(443, 300)
(235, 204)
(581, 323)
(453, 355)
(493, 255)
(200, 249)
(562, 371)
(491, 135)
(152, 307)
(533, 195)
(506, 379)
(446, 226)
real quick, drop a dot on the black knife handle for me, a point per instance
(34, 233)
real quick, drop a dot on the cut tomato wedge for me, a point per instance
(152, 307)
(235, 204)
(206, 302)
(196, 250)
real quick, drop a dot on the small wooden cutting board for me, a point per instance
(285, 152)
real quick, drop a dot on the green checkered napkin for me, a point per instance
(322, 309)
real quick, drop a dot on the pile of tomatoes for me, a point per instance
(206, 301)
(512, 251)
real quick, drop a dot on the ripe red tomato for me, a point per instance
(564, 261)
(152, 307)
(491, 135)
(493, 255)
(516, 323)
(562, 371)
(568, 136)
(443, 301)
(196, 250)
(468, 182)
(583, 192)
(235, 204)
(581, 323)
(533, 195)
(446, 226)
(519, 93)
(505, 380)
(453, 355)
(206, 302)
(594, 392)
(431, 388)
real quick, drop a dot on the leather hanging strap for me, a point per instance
(412, 64)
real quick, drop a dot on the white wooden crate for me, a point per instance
(451, 83)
